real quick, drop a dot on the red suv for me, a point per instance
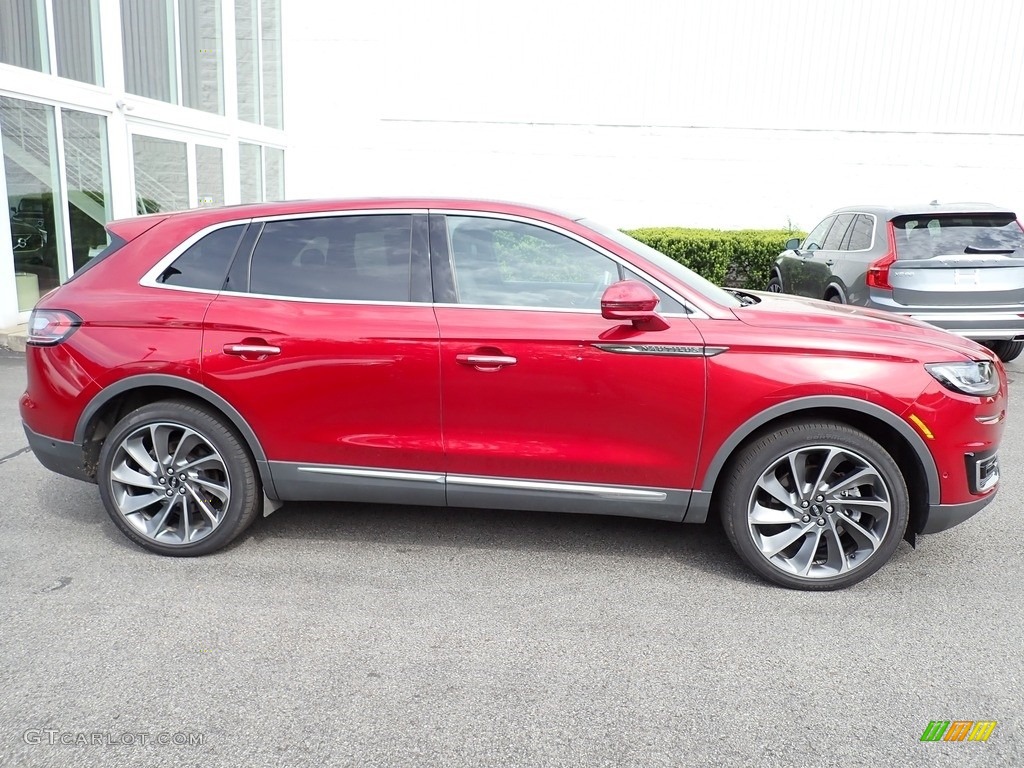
(213, 363)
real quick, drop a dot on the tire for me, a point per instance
(852, 540)
(1006, 349)
(186, 515)
(835, 298)
(774, 285)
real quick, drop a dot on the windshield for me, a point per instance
(686, 276)
(924, 236)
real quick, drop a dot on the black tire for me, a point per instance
(142, 498)
(774, 285)
(1006, 349)
(844, 527)
(835, 298)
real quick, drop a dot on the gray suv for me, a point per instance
(957, 266)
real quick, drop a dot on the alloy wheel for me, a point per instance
(169, 483)
(819, 512)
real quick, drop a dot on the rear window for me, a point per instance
(205, 263)
(927, 236)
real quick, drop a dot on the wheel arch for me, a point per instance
(837, 289)
(107, 408)
(906, 446)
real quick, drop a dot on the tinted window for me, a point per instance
(814, 240)
(205, 263)
(835, 235)
(858, 238)
(922, 237)
(499, 262)
(358, 258)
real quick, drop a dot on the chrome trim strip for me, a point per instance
(600, 491)
(666, 350)
(379, 474)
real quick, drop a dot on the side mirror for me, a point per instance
(634, 302)
(793, 244)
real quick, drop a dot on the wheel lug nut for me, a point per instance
(830, 508)
(162, 481)
(821, 521)
(805, 504)
(170, 491)
(806, 518)
(181, 490)
(819, 497)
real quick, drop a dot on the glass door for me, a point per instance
(174, 171)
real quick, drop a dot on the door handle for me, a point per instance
(829, 263)
(486, 362)
(251, 350)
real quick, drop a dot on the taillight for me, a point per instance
(878, 271)
(47, 327)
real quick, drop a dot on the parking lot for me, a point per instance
(342, 635)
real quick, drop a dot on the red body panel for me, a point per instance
(353, 384)
(567, 410)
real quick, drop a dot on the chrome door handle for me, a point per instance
(485, 361)
(251, 349)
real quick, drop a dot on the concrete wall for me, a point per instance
(725, 113)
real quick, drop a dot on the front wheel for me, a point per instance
(1006, 349)
(176, 480)
(815, 506)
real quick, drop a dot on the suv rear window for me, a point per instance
(925, 236)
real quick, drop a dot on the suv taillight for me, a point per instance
(878, 271)
(47, 327)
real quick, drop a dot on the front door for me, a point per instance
(545, 403)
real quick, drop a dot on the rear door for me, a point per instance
(327, 345)
(973, 259)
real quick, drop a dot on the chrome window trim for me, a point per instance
(149, 280)
(694, 313)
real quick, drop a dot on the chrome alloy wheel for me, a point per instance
(819, 511)
(774, 287)
(169, 483)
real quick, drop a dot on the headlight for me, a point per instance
(975, 377)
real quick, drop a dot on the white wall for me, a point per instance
(726, 113)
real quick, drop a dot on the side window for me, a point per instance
(205, 263)
(814, 240)
(509, 263)
(356, 258)
(859, 236)
(835, 235)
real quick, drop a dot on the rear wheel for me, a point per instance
(815, 505)
(176, 480)
(774, 285)
(1006, 349)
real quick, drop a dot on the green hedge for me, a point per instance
(739, 258)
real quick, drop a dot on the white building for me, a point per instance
(717, 113)
(110, 108)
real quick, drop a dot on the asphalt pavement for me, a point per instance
(358, 635)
